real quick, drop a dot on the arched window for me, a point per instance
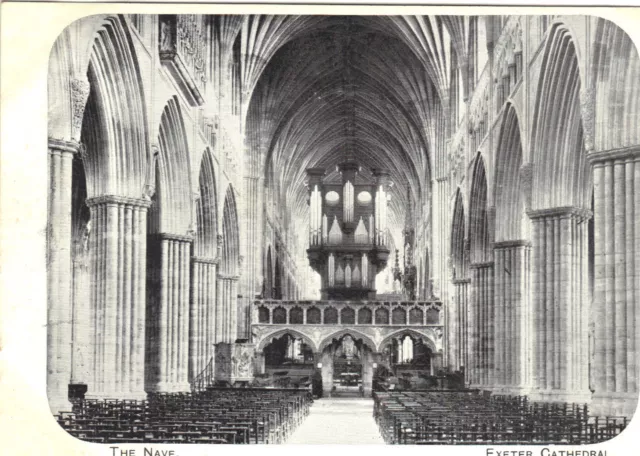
(313, 316)
(331, 316)
(364, 316)
(296, 316)
(399, 316)
(279, 316)
(382, 316)
(348, 316)
(407, 349)
(263, 314)
(416, 316)
(433, 317)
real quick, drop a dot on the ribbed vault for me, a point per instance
(372, 88)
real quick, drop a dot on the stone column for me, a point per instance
(482, 324)
(118, 291)
(367, 372)
(81, 335)
(327, 372)
(400, 353)
(459, 346)
(560, 305)
(219, 310)
(260, 363)
(436, 362)
(234, 303)
(227, 308)
(201, 327)
(251, 285)
(513, 327)
(616, 300)
(169, 323)
(226, 315)
(59, 274)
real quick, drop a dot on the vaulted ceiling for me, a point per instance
(367, 87)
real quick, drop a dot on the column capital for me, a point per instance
(230, 277)
(512, 244)
(460, 281)
(174, 237)
(62, 145)
(117, 200)
(204, 260)
(612, 155)
(560, 212)
(480, 265)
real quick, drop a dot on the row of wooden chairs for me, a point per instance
(216, 416)
(470, 417)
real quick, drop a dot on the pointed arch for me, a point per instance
(479, 236)
(512, 222)
(205, 244)
(351, 332)
(115, 128)
(231, 244)
(412, 333)
(457, 248)
(562, 175)
(266, 340)
(60, 110)
(615, 72)
(174, 183)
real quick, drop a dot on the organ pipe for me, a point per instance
(371, 228)
(324, 229)
(365, 270)
(348, 201)
(315, 216)
(339, 274)
(335, 234)
(381, 216)
(332, 269)
(355, 275)
(361, 235)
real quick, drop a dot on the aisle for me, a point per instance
(339, 421)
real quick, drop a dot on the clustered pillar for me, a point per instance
(59, 270)
(560, 304)
(327, 372)
(169, 316)
(459, 336)
(513, 328)
(81, 333)
(251, 285)
(118, 295)
(226, 309)
(202, 314)
(481, 323)
(616, 301)
(399, 349)
(367, 371)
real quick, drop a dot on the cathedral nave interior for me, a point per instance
(410, 208)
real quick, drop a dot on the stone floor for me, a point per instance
(339, 421)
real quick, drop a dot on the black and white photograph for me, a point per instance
(322, 228)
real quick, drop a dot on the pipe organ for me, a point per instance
(348, 244)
